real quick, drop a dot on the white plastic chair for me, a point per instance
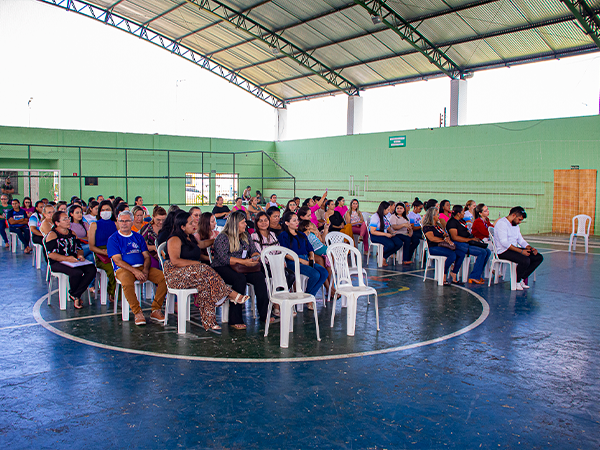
(36, 260)
(439, 261)
(14, 240)
(338, 254)
(584, 223)
(378, 251)
(496, 265)
(274, 258)
(101, 284)
(336, 237)
(124, 303)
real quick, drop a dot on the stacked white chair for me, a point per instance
(439, 262)
(337, 238)
(584, 223)
(338, 254)
(274, 258)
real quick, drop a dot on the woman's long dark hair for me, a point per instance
(71, 211)
(259, 234)
(456, 210)
(109, 203)
(417, 203)
(180, 220)
(169, 222)
(478, 210)
(204, 230)
(287, 217)
(403, 210)
(442, 204)
(56, 218)
(430, 203)
(382, 207)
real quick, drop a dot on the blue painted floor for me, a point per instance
(527, 377)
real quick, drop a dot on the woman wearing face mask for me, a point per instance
(98, 234)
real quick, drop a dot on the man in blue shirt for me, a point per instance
(18, 220)
(129, 253)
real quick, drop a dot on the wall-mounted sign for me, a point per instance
(397, 141)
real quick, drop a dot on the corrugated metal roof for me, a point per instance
(338, 37)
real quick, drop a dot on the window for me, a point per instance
(197, 187)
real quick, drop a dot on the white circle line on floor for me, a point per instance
(484, 314)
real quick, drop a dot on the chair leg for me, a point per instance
(183, 306)
(513, 277)
(124, 307)
(333, 304)
(586, 243)
(316, 320)
(268, 318)
(377, 310)
(103, 288)
(285, 312)
(225, 311)
(351, 315)
(570, 242)
(62, 294)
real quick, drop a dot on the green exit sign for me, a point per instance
(397, 141)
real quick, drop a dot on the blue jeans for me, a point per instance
(452, 256)
(3, 230)
(410, 243)
(482, 255)
(22, 233)
(390, 245)
(316, 276)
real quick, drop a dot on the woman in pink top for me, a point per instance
(340, 206)
(445, 209)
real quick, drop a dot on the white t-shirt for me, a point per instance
(375, 222)
(415, 219)
(506, 235)
(272, 204)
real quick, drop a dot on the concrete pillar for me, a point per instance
(458, 102)
(355, 115)
(281, 124)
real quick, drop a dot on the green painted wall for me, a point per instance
(110, 161)
(502, 165)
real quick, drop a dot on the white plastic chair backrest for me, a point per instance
(335, 237)
(582, 221)
(367, 217)
(160, 252)
(338, 255)
(274, 258)
(219, 229)
(494, 249)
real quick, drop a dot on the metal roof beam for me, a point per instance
(586, 18)
(373, 33)
(278, 43)
(477, 37)
(407, 32)
(245, 11)
(106, 16)
(162, 14)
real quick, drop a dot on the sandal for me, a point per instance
(244, 299)
(310, 306)
(239, 326)
(215, 327)
(77, 303)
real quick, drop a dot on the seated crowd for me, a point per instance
(218, 252)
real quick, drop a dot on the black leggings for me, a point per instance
(238, 283)
(79, 277)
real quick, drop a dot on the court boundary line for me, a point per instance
(482, 317)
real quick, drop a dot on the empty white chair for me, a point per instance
(274, 257)
(439, 264)
(496, 265)
(338, 254)
(583, 229)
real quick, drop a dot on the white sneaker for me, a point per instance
(523, 285)
(519, 287)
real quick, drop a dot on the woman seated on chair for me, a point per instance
(414, 217)
(28, 206)
(482, 222)
(207, 234)
(445, 212)
(317, 240)
(400, 226)
(379, 228)
(298, 242)
(81, 228)
(238, 262)
(274, 220)
(291, 206)
(183, 270)
(469, 214)
(468, 244)
(355, 218)
(98, 234)
(333, 217)
(46, 224)
(253, 209)
(168, 225)
(35, 221)
(150, 233)
(64, 247)
(92, 211)
(436, 235)
(138, 218)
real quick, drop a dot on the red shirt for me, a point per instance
(480, 228)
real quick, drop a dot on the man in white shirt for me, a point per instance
(512, 247)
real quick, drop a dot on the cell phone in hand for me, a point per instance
(311, 262)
